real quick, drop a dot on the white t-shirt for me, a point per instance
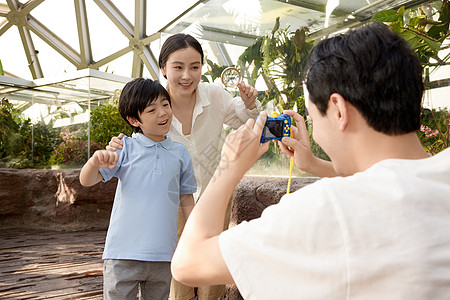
(214, 107)
(380, 234)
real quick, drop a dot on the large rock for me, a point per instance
(13, 192)
(55, 199)
(254, 193)
(86, 207)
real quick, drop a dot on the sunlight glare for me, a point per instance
(245, 12)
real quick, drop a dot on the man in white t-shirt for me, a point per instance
(377, 228)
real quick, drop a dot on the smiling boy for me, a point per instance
(155, 178)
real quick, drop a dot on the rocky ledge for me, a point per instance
(55, 199)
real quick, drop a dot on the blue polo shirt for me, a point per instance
(152, 176)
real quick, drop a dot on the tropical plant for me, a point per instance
(214, 70)
(426, 33)
(280, 59)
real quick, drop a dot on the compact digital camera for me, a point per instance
(276, 128)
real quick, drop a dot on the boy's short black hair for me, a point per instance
(376, 71)
(138, 94)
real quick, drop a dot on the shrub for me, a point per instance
(107, 122)
(72, 149)
(23, 144)
(434, 131)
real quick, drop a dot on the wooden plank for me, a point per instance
(38, 264)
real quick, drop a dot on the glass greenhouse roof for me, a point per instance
(80, 86)
(241, 22)
(53, 38)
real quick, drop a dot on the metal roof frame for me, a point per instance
(20, 15)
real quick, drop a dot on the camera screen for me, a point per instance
(273, 129)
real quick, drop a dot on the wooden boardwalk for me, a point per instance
(38, 264)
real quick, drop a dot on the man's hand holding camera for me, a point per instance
(242, 148)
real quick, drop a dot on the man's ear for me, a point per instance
(133, 121)
(341, 111)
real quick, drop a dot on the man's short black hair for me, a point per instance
(136, 95)
(376, 71)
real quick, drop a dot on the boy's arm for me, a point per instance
(90, 174)
(186, 204)
(198, 260)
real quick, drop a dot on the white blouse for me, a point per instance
(214, 107)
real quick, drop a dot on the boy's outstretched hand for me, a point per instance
(115, 143)
(104, 159)
(89, 174)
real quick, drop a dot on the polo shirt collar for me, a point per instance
(166, 144)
